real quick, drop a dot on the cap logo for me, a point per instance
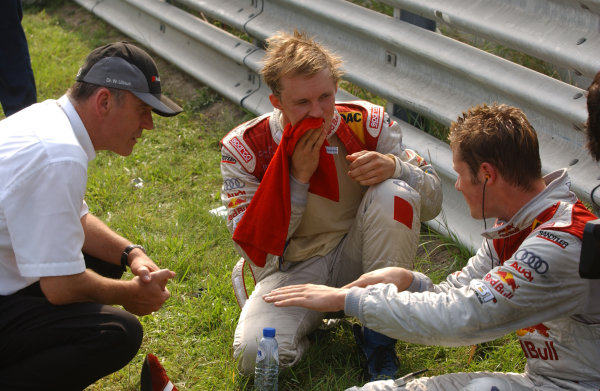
(118, 81)
(126, 67)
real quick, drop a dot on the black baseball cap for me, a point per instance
(124, 66)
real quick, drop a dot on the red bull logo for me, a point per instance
(539, 328)
(500, 285)
(508, 279)
(548, 352)
(236, 213)
(533, 350)
(235, 202)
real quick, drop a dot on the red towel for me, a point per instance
(264, 225)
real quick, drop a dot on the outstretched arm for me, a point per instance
(328, 299)
(315, 297)
(398, 276)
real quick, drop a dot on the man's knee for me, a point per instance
(122, 337)
(289, 354)
(245, 354)
(397, 199)
(390, 188)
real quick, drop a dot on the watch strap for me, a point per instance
(125, 254)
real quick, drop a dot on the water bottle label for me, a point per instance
(260, 356)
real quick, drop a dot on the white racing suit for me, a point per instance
(361, 231)
(524, 278)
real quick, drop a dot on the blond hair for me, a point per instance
(297, 54)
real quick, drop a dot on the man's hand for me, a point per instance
(315, 297)
(398, 276)
(141, 265)
(149, 296)
(138, 297)
(370, 167)
(305, 158)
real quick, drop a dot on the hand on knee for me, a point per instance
(398, 276)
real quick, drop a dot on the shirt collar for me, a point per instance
(557, 189)
(78, 128)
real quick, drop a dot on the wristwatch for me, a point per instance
(126, 252)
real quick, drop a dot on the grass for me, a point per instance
(178, 165)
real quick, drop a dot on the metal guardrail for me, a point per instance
(565, 33)
(417, 69)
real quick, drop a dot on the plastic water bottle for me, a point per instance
(266, 371)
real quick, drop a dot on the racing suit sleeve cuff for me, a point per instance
(398, 168)
(298, 192)
(352, 302)
(420, 283)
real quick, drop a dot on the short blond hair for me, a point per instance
(297, 54)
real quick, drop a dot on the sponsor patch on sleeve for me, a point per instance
(227, 159)
(553, 238)
(241, 149)
(483, 292)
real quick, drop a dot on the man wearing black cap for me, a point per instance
(60, 265)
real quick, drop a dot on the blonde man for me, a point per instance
(384, 192)
(524, 278)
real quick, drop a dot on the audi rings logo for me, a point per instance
(232, 184)
(532, 260)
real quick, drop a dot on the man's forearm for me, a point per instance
(83, 287)
(102, 242)
(137, 297)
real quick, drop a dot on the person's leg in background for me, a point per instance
(17, 83)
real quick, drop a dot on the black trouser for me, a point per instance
(63, 347)
(17, 83)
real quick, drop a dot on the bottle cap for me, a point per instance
(269, 332)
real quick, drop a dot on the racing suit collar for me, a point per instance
(558, 186)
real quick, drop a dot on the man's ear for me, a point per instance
(103, 101)
(275, 101)
(488, 173)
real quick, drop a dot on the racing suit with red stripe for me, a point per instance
(524, 278)
(363, 230)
